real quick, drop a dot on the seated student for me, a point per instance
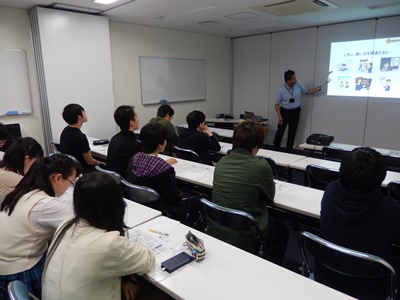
(16, 162)
(124, 144)
(147, 169)
(4, 135)
(31, 214)
(73, 141)
(245, 182)
(198, 137)
(96, 272)
(165, 113)
(355, 214)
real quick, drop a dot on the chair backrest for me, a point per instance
(319, 177)
(393, 190)
(344, 261)
(144, 195)
(187, 154)
(117, 177)
(233, 219)
(224, 116)
(18, 290)
(56, 147)
(335, 154)
(392, 163)
(272, 164)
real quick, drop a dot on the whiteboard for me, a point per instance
(172, 79)
(15, 92)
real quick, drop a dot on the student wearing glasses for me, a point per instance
(16, 163)
(29, 216)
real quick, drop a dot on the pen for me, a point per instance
(159, 232)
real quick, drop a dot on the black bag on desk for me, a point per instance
(320, 139)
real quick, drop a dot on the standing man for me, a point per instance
(287, 106)
(124, 144)
(73, 141)
(165, 113)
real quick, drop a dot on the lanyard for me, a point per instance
(290, 92)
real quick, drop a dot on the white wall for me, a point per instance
(128, 42)
(15, 33)
(352, 120)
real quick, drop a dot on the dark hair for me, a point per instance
(14, 157)
(97, 200)
(363, 168)
(288, 75)
(123, 115)
(71, 113)
(248, 134)
(195, 118)
(152, 135)
(4, 134)
(165, 109)
(38, 177)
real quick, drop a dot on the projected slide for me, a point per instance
(367, 68)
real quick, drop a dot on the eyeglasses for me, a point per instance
(73, 182)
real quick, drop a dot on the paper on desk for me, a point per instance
(282, 188)
(194, 171)
(157, 243)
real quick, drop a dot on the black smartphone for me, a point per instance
(176, 262)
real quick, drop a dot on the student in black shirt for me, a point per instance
(73, 141)
(124, 144)
(198, 137)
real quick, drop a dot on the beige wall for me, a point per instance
(128, 42)
(15, 34)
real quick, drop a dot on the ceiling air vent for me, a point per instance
(294, 7)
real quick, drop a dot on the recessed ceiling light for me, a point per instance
(383, 5)
(105, 1)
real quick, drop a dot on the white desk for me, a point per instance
(100, 150)
(302, 164)
(300, 199)
(192, 172)
(226, 133)
(136, 214)
(229, 273)
(346, 147)
(281, 158)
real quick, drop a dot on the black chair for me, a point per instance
(393, 190)
(347, 264)
(335, 154)
(144, 195)
(117, 177)
(319, 177)
(56, 147)
(272, 164)
(234, 220)
(392, 163)
(187, 154)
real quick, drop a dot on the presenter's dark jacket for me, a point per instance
(359, 220)
(154, 172)
(75, 143)
(199, 142)
(122, 147)
(243, 181)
